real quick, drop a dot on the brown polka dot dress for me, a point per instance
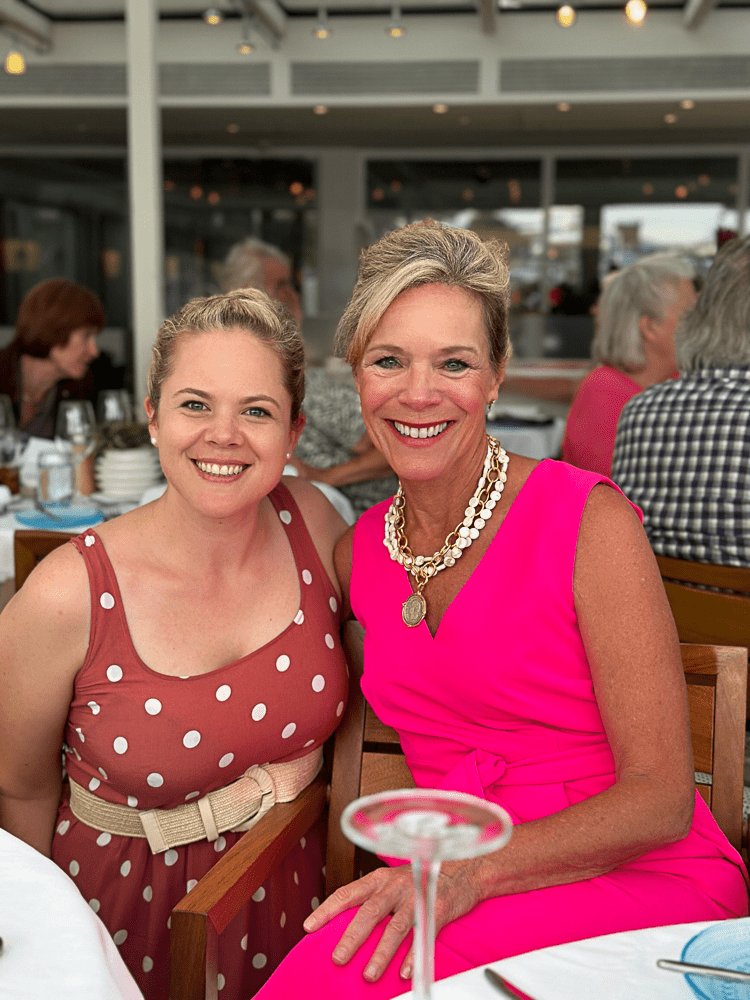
(149, 740)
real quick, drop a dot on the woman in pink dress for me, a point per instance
(174, 648)
(531, 660)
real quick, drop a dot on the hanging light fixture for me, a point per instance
(15, 64)
(565, 16)
(322, 29)
(635, 11)
(395, 29)
(245, 47)
(212, 16)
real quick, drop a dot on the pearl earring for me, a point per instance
(289, 454)
(153, 441)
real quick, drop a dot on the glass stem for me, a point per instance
(425, 885)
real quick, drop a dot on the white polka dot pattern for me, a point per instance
(220, 982)
(81, 737)
(191, 883)
(89, 540)
(170, 857)
(285, 516)
(155, 779)
(226, 760)
(94, 784)
(95, 709)
(282, 921)
(94, 904)
(299, 618)
(125, 869)
(103, 773)
(306, 577)
(282, 663)
(219, 844)
(329, 640)
(333, 604)
(258, 712)
(191, 795)
(74, 868)
(132, 801)
(103, 839)
(63, 827)
(339, 708)
(120, 937)
(318, 682)
(223, 693)
(191, 739)
(243, 943)
(107, 601)
(259, 960)
(120, 745)
(259, 895)
(147, 964)
(114, 673)
(148, 893)
(289, 730)
(314, 903)
(152, 706)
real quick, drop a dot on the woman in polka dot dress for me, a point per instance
(179, 645)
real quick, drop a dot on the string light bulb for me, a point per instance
(15, 64)
(396, 29)
(212, 16)
(635, 11)
(322, 29)
(565, 16)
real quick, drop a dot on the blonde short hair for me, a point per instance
(243, 309)
(428, 253)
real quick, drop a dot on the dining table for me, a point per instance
(53, 943)
(615, 966)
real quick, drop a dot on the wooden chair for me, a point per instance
(31, 546)
(367, 758)
(705, 615)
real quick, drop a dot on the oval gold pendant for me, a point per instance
(413, 610)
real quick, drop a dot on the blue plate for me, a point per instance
(727, 946)
(68, 517)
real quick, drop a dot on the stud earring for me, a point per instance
(153, 442)
(289, 454)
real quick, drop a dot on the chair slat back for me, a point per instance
(716, 678)
(31, 546)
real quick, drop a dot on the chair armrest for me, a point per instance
(207, 909)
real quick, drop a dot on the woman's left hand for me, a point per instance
(391, 891)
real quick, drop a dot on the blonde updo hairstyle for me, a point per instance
(428, 253)
(243, 309)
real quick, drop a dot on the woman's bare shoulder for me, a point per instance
(321, 517)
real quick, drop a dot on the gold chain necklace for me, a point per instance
(477, 514)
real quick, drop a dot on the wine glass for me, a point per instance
(114, 407)
(426, 826)
(75, 431)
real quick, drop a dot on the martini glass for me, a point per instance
(426, 827)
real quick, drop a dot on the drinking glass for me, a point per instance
(12, 444)
(56, 478)
(75, 430)
(426, 827)
(114, 407)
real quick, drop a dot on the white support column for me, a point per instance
(343, 230)
(145, 184)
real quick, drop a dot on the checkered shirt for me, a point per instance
(683, 455)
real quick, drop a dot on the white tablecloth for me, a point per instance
(8, 527)
(613, 967)
(54, 945)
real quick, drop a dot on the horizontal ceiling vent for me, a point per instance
(66, 80)
(358, 79)
(535, 76)
(214, 79)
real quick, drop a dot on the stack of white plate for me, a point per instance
(127, 472)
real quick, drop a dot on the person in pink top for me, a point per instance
(529, 657)
(633, 346)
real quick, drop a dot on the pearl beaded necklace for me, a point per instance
(477, 514)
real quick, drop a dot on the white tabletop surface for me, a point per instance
(54, 945)
(615, 967)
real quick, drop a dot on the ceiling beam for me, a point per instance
(26, 24)
(488, 16)
(696, 12)
(267, 14)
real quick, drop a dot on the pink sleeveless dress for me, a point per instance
(149, 740)
(500, 704)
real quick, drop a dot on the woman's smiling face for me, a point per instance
(223, 426)
(424, 381)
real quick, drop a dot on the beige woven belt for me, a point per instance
(235, 807)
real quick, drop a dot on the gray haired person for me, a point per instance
(683, 447)
(633, 346)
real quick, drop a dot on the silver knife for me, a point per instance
(703, 970)
(503, 986)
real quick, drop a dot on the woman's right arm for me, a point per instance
(43, 637)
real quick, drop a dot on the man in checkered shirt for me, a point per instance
(682, 451)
